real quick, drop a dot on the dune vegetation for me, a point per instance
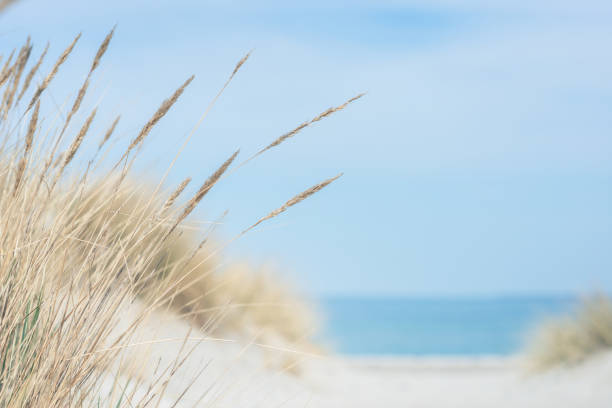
(79, 242)
(573, 339)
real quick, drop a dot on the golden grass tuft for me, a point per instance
(76, 248)
(572, 340)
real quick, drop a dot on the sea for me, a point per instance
(491, 326)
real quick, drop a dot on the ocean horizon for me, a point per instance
(437, 326)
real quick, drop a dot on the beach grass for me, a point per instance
(571, 340)
(79, 243)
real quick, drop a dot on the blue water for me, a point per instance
(411, 326)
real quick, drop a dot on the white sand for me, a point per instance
(460, 382)
(235, 376)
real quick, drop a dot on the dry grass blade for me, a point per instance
(6, 74)
(109, 132)
(79, 99)
(160, 113)
(210, 182)
(23, 56)
(31, 129)
(205, 188)
(76, 143)
(19, 175)
(6, 66)
(62, 58)
(29, 139)
(298, 198)
(20, 64)
(317, 118)
(76, 105)
(170, 201)
(101, 50)
(30, 76)
(239, 64)
(7, 91)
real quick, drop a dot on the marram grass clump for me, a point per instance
(78, 243)
(572, 340)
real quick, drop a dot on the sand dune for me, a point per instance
(235, 374)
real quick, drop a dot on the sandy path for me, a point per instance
(235, 376)
(458, 382)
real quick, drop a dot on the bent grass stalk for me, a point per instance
(295, 131)
(160, 113)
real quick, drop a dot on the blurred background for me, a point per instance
(478, 179)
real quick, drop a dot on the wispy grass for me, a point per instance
(75, 248)
(573, 339)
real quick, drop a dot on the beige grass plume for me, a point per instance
(160, 113)
(29, 139)
(239, 64)
(6, 69)
(66, 157)
(32, 128)
(102, 50)
(177, 192)
(205, 188)
(62, 58)
(31, 73)
(9, 74)
(7, 62)
(12, 72)
(295, 200)
(76, 143)
(20, 64)
(317, 118)
(109, 132)
(79, 99)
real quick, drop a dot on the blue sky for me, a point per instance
(478, 163)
